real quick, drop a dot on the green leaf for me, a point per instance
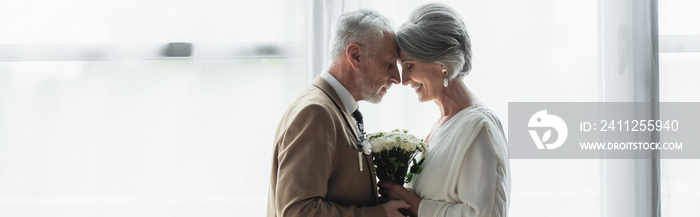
(420, 169)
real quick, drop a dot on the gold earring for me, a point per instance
(444, 73)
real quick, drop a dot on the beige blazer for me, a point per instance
(315, 169)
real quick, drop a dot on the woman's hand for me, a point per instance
(393, 191)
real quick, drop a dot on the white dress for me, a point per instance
(466, 170)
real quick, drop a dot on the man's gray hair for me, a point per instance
(364, 26)
(436, 33)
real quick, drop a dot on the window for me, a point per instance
(96, 120)
(678, 67)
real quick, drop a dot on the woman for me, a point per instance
(466, 168)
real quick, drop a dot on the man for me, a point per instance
(318, 168)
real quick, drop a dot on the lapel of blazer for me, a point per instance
(328, 89)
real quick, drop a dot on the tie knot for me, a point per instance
(357, 115)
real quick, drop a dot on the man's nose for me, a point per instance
(395, 77)
(405, 77)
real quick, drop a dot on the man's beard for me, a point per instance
(368, 90)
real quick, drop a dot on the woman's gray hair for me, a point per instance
(436, 33)
(364, 26)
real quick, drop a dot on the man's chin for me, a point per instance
(375, 98)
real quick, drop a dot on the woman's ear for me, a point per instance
(352, 52)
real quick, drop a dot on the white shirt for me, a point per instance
(345, 96)
(466, 170)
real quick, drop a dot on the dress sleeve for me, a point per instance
(305, 166)
(480, 183)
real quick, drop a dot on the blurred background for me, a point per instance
(169, 108)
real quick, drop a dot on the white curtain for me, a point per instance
(629, 70)
(321, 19)
(146, 135)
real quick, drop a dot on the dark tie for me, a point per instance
(360, 135)
(360, 124)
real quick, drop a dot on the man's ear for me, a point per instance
(352, 52)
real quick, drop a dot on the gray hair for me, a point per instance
(436, 33)
(364, 26)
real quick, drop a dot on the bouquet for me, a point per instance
(393, 152)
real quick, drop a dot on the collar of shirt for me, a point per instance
(345, 96)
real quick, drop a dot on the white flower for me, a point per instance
(366, 147)
(395, 139)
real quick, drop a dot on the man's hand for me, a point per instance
(392, 208)
(393, 191)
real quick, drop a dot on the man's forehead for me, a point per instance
(394, 51)
(395, 54)
(391, 51)
(387, 48)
